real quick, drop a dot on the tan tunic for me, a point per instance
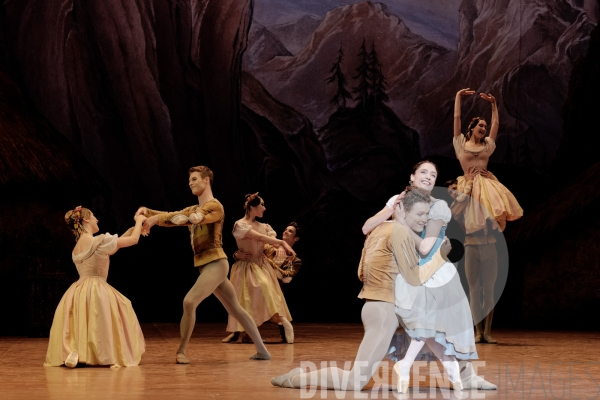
(206, 236)
(388, 251)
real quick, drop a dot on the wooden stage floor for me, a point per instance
(541, 365)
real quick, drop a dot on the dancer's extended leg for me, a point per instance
(210, 278)
(226, 295)
(380, 321)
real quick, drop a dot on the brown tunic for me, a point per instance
(207, 236)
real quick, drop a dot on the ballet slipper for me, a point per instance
(476, 382)
(72, 359)
(260, 356)
(478, 338)
(285, 380)
(180, 358)
(402, 386)
(231, 338)
(457, 385)
(489, 339)
(289, 331)
(471, 381)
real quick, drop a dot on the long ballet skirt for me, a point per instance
(93, 318)
(439, 308)
(255, 281)
(498, 202)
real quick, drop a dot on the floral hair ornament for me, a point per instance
(249, 199)
(76, 218)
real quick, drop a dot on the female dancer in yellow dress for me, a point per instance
(473, 149)
(94, 324)
(254, 279)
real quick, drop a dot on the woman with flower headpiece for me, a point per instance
(253, 277)
(94, 324)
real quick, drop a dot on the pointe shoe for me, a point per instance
(72, 359)
(259, 356)
(180, 358)
(456, 385)
(231, 338)
(289, 331)
(402, 386)
(489, 339)
(285, 380)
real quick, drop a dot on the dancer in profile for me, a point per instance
(254, 278)
(424, 175)
(205, 222)
(473, 149)
(94, 324)
(388, 251)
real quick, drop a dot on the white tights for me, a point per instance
(380, 322)
(449, 362)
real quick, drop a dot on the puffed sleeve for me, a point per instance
(108, 244)
(491, 143)
(241, 229)
(391, 201)
(459, 143)
(270, 231)
(440, 210)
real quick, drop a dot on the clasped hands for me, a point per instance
(148, 222)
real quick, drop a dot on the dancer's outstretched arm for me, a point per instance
(132, 235)
(254, 235)
(462, 92)
(495, 119)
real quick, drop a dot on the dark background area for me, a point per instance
(108, 108)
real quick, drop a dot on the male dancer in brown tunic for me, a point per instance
(205, 222)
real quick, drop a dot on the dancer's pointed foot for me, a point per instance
(402, 386)
(476, 382)
(180, 358)
(260, 356)
(72, 359)
(489, 339)
(289, 331)
(231, 338)
(285, 380)
(403, 381)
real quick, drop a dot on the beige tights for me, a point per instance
(213, 280)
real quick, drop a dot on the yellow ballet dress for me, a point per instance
(93, 318)
(492, 199)
(255, 280)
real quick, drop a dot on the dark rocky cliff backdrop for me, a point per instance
(144, 90)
